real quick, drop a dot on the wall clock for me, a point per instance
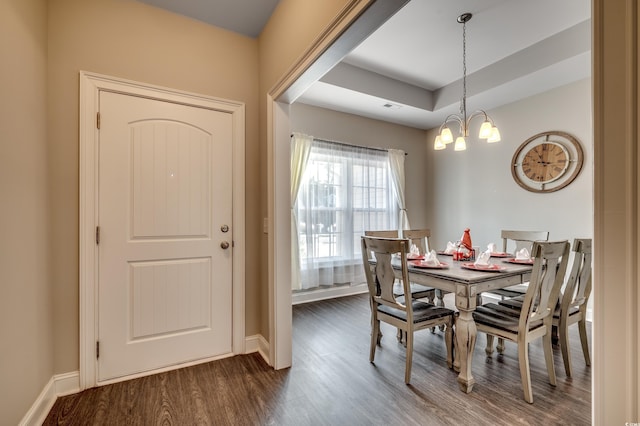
(547, 162)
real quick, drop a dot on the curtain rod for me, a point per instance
(352, 145)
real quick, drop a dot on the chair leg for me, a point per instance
(440, 302)
(582, 327)
(548, 356)
(500, 346)
(525, 374)
(489, 348)
(563, 338)
(375, 338)
(407, 371)
(448, 340)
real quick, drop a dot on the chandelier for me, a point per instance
(488, 130)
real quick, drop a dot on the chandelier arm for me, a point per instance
(454, 118)
(478, 113)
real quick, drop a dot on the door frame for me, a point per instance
(90, 86)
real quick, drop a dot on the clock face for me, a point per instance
(547, 162)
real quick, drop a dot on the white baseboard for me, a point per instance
(257, 343)
(58, 385)
(327, 293)
(67, 383)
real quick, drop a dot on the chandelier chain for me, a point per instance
(463, 101)
(488, 130)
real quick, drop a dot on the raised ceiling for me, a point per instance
(409, 70)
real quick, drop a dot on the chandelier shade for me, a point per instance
(488, 129)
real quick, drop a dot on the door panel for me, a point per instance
(170, 180)
(165, 282)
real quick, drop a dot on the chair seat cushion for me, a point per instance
(513, 303)
(509, 292)
(421, 311)
(502, 317)
(417, 290)
(572, 311)
(516, 303)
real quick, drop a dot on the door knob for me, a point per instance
(224, 245)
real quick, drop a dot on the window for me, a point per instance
(346, 191)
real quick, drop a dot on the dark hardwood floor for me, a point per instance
(332, 382)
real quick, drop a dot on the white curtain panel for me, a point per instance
(396, 165)
(300, 150)
(346, 190)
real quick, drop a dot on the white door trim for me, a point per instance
(90, 86)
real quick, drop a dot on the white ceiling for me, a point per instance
(413, 62)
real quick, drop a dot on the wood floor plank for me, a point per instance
(332, 382)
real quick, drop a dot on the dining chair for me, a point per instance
(513, 241)
(571, 307)
(408, 316)
(419, 238)
(418, 291)
(535, 318)
(422, 239)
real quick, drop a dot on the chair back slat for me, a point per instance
(578, 287)
(382, 234)
(547, 276)
(419, 237)
(522, 239)
(381, 275)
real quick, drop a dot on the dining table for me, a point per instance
(467, 281)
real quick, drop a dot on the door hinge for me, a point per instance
(97, 235)
(98, 120)
(97, 349)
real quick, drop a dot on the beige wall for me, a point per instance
(131, 40)
(26, 308)
(332, 125)
(292, 29)
(481, 176)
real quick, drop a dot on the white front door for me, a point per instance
(164, 215)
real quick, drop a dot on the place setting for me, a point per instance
(522, 257)
(428, 261)
(414, 253)
(483, 263)
(492, 248)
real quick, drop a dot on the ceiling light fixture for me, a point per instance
(488, 130)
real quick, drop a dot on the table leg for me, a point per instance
(466, 333)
